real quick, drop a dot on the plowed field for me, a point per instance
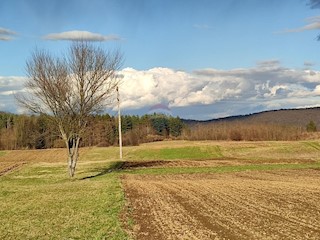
(244, 205)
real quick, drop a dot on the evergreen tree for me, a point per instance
(311, 127)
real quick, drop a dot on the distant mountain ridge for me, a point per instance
(297, 117)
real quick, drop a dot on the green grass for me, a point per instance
(101, 154)
(2, 153)
(313, 144)
(295, 150)
(190, 152)
(41, 202)
(184, 150)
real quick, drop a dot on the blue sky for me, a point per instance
(202, 58)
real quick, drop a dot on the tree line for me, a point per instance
(18, 131)
(38, 132)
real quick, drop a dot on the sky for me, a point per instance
(202, 59)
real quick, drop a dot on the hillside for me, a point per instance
(295, 117)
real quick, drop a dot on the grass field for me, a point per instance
(39, 201)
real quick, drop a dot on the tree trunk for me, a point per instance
(73, 154)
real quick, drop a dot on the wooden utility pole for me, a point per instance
(119, 117)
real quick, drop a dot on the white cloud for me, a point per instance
(6, 34)
(11, 82)
(317, 90)
(206, 92)
(313, 24)
(144, 88)
(6, 93)
(5, 31)
(5, 38)
(81, 35)
(268, 85)
(273, 63)
(8, 87)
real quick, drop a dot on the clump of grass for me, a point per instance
(2, 153)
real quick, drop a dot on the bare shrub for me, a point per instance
(235, 135)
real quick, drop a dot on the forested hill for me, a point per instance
(296, 117)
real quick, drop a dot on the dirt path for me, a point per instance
(246, 205)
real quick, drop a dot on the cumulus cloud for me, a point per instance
(6, 34)
(263, 87)
(145, 88)
(11, 83)
(8, 87)
(81, 35)
(206, 93)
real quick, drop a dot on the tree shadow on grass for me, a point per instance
(126, 165)
(105, 170)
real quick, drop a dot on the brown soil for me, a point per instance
(9, 167)
(204, 163)
(246, 205)
(179, 163)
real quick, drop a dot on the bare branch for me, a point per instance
(72, 88)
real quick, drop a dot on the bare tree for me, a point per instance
(70, 89)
